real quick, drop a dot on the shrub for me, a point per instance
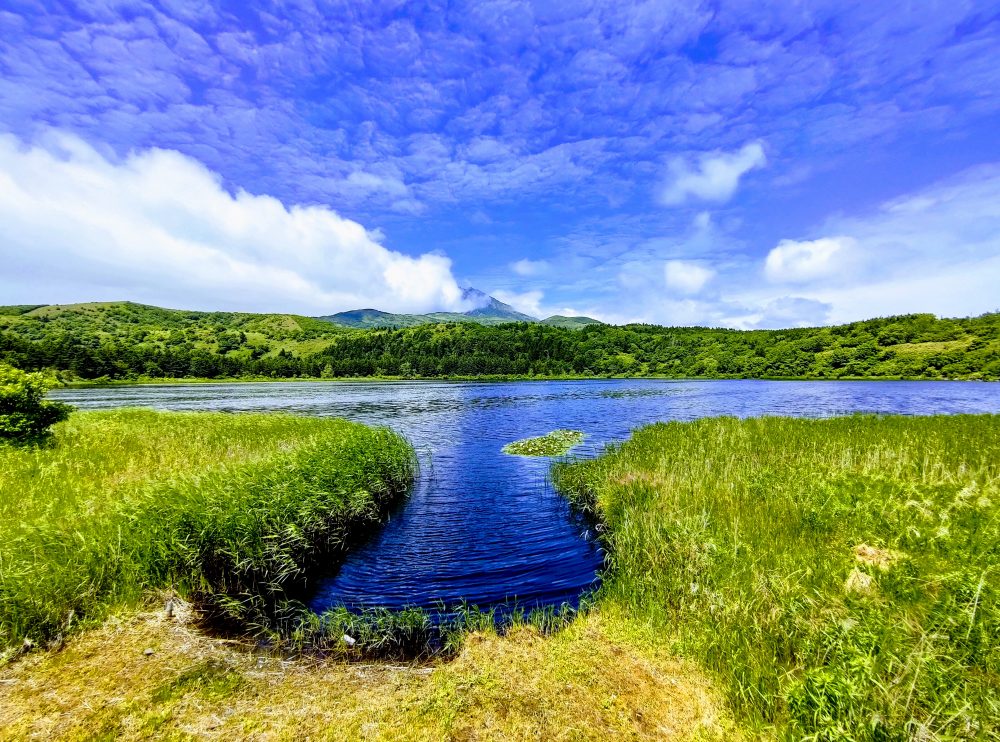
(24, 415)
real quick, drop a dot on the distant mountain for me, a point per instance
(488, 311)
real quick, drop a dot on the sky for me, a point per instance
(736, 163)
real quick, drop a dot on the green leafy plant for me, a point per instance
(24, 413)
(555, 443)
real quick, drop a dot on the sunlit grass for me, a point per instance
(556, 443)
(230, 509)
(838, 577)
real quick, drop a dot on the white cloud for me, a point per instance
(526, 267)
(159, 227)
(935, 250)
(686, 277)
(799, 262)
(368, 182)
(528, 302)
(714, 176)
(786, 311)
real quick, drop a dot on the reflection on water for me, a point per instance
(485, 527)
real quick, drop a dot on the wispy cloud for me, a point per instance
(686, 277)
(711, 176)
(527, 268)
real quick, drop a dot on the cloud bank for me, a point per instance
(158, 226)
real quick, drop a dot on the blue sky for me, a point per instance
(748, 164)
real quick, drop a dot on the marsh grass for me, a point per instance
(231, 510)
(838, 577)
(556, 443)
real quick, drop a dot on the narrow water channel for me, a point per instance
(487, 528)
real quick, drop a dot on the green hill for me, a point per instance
(571, 323)
(123, 340)
(367, 318)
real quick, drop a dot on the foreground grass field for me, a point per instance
(230, 510)
(838, 578)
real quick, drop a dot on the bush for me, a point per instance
(24, 415)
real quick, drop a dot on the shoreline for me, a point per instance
(89, 384)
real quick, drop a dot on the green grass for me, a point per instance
(839, 578)
(232, 510)
(555, 443)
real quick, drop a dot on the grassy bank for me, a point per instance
(838, 578)
(231, 510)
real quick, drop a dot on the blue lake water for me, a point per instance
(488, 528)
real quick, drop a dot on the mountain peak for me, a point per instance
(487, 310)
(490, 306)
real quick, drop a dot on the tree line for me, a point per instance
(121, 344)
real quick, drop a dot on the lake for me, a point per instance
(487, 528)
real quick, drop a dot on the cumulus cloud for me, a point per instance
(797, 262)
(712, 176)
(526, 267)
(686, 277)
(158, 226)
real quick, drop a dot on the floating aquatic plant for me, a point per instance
(555, 443)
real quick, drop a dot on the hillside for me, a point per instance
(129, 341)
(570, 323)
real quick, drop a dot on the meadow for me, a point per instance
(230, 511)
(837, 578)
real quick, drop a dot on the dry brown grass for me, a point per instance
(590, 681)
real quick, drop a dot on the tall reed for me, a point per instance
(233, 510)
(839, 577)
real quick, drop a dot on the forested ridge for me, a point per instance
(121, 341)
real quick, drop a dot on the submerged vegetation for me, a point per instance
(125, 341)
(555, 443)
(230, 510)
(837, 577)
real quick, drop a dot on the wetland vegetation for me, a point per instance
(556, 443)
(837, 578)
(230, 511)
